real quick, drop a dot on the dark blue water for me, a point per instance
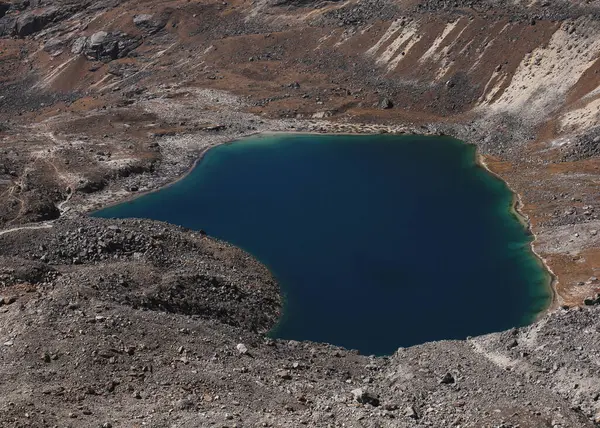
(377, 241)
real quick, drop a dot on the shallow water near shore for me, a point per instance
(376, 241)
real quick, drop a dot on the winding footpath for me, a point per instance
(14, 229)
(43, 225)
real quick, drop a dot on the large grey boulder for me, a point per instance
(31, 22)
(27, 24)
(97, 39)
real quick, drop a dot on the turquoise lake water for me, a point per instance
(377, 241)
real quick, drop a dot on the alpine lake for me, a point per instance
(377, 242)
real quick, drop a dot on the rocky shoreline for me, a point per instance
(517, 209)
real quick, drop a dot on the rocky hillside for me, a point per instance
(137, 323)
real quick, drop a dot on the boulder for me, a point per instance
(365, 397)
(142, 20)
(31, 22)
(284, 374)
(447, 379)
(79, 45)
(149, 22)
(385, 104)
(103, 46)
(591, 301)
(97, 39)
(390, 407)
(54, 45)
(7, 300)
(26, 24)
(411, 412)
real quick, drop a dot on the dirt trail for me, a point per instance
(14, 229)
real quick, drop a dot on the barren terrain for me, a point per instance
(133, 323)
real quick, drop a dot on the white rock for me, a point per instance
(142, 19)
(78, 45)
(98, 38)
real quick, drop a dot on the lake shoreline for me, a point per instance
(479, 159)
(517, 209)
